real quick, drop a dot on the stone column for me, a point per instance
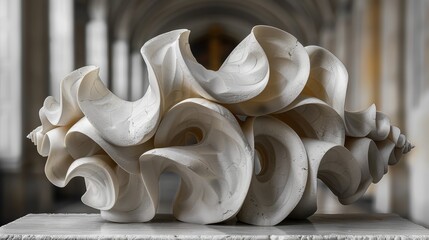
(364, 73)
(391, 193)
(61, 42)
(97, 37)
(22, 189)
(416, 89)
(344, 45)
(10, 84)
(418, 163)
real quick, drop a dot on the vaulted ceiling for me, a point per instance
(137, 21)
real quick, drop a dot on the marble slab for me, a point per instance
(92, 226)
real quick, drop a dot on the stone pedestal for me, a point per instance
(91, 226)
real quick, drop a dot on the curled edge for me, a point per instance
(66, 111)
(60, 168)
(313, 118)
(289, 68)
(371, 164)
(278, 187)
(362, 123)
(84, 140)
(100, 180)
(335, 166)
(215, 174)
(133, 203)
(242, 76)
(328, 78)
(382, 129)
(120, 122)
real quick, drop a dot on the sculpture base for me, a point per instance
(91, 226)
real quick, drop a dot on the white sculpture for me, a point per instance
(272, 101)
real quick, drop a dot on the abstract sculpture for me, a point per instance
(273, 103)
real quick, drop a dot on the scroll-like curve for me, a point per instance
(313, 118)
(335, 166)
(83, 135)
(133, 203)
(289, 68)
(101, 184)
(66, 111)
(277, 188)
(97, 170)
(328, 78)
(242, 76)
(382, 127)
(120, 122)
(202, 142)
(362, 123)
(370, 163)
